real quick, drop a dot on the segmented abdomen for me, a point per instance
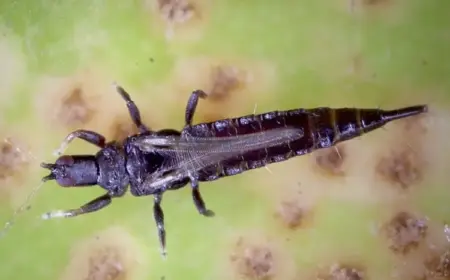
(323, 127)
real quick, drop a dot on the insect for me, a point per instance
(152, 162)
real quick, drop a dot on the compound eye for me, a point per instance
(65, 160)
(66, 181)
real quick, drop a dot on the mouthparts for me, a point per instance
(50, 176)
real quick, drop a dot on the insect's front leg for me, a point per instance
(90, 136)
(159, 219)
(198, 200)
(192, 105)
(92, 206)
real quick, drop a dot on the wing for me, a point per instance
(192, 153)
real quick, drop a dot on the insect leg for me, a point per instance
(198, 200)
(159, 219)
(90, 136)
(132, 109)
(92, 206)
(192, 105)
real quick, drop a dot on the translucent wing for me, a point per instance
(191, 153)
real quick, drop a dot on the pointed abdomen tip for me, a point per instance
(418, 109)
(404, 112)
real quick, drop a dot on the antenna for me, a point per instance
(24, 207)
(26, 204)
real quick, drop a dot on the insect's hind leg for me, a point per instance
(192, 105)
(92, 206)
(158, 214)
(90, 136)
(132, 109)
(198, 200)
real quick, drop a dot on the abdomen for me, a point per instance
(323, 127)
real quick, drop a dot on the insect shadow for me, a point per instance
(152, 162)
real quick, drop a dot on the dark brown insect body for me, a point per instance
(152, 162)
(323, 128)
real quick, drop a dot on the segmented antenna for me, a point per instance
(26, 205)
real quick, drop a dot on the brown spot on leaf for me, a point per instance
(111, 255)
(415, 124)
(331, 160)
(404, 232)
(181, 19)
(291, 214)
(253, 262)
(74, 109)
(438, 266)
(405, 164)
(15, 162)
(12, 158)
(105, 263)
(176, 11)
(225, 79)
(228, 82)
(74, 102)
(341, 272)
(400, 168)
(256, 257)
(295, 212)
